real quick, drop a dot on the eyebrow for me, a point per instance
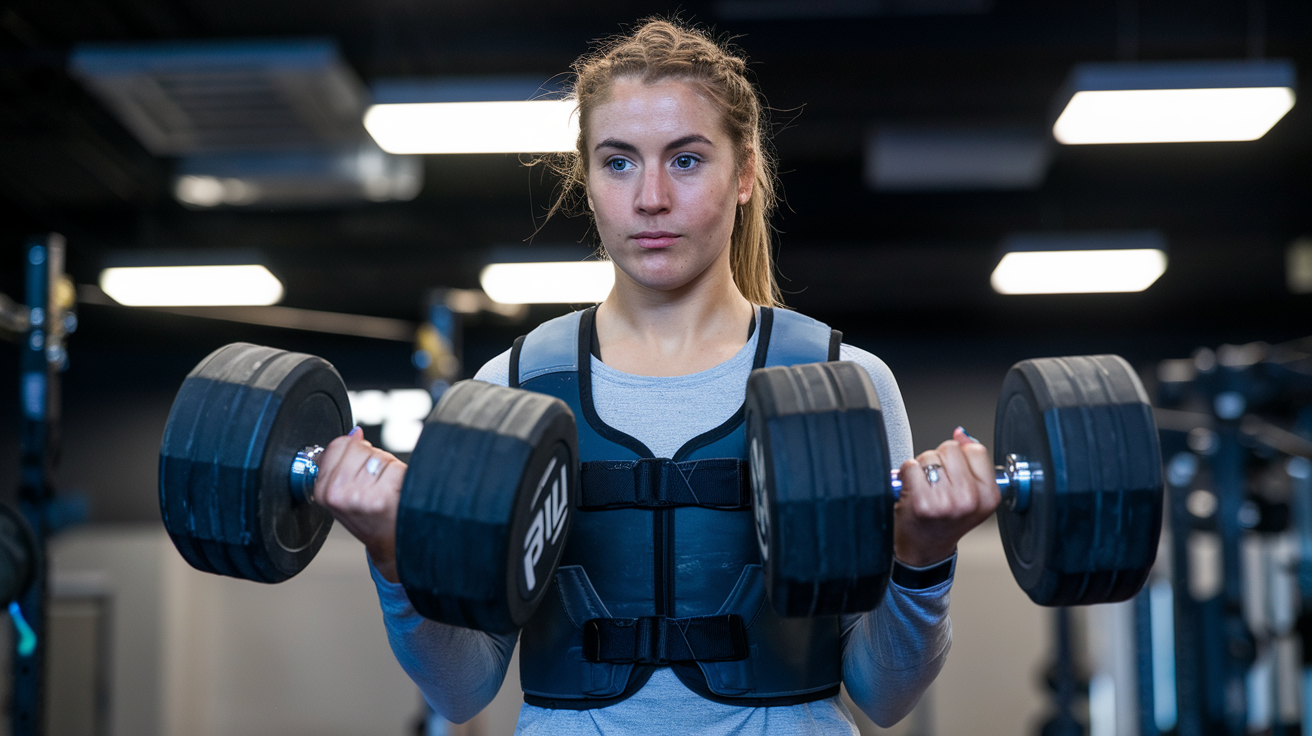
(629, 147)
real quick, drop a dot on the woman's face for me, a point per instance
(662, 183)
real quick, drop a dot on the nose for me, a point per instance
(653, 195)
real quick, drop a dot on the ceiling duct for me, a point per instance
(955, 158)
(189, 98)
(297, 178)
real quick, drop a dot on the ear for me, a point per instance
(747, 178)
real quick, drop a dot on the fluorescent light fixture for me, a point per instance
(191, 286)
(533, 126)
(1173, 102)
(1081, 263)
(550, 282)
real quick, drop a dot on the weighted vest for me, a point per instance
(662, 567)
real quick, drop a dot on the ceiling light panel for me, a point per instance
(1173, 102)
(191, 286)
(471, 115)
(1080, 263)
(534, 126)
(548, 282)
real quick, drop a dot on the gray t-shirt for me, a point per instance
(890, 655)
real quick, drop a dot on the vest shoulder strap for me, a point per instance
(551, 347)
(796, 338)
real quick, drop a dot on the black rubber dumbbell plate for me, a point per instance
(821, 487)
(486, 506)
(1090, 532)
(237, 422)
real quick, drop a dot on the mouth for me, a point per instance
(655, 239)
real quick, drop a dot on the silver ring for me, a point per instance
(371, 466)
(931, 473)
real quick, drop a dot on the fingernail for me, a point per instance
(972, 439)
(356, 431)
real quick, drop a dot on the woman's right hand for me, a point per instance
(360, 485)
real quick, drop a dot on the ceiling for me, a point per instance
(876, 259)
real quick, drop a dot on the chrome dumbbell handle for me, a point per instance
(1016, 479)
(304, 472)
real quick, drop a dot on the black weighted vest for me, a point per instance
(662, 567)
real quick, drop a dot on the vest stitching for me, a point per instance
(687, 478)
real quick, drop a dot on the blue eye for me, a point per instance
(618, 164)
(685, 162)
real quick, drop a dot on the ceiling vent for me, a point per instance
(186, 98)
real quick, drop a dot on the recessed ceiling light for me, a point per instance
(1080, 263)
(533, 126)
(191, 286)
(1173, 102)
(552, 282)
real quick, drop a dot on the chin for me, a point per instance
(662, 283)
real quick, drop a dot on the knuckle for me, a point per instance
(338, 445)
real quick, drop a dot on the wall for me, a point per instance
(200, 655)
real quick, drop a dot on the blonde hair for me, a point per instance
(667, 49)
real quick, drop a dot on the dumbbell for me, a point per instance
(237, 470)
(1078, 465)
(486, 502)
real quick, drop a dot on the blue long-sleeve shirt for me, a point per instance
(890, 655)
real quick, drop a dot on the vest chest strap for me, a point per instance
(655, 483)
(660, 640)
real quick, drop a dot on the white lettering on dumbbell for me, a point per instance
(760, 502)
(556, 505)
(532, 550)
(549, 520)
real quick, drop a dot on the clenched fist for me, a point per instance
(931, 517)
(360, 485)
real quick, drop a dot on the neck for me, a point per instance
(675, 332)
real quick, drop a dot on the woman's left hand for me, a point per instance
(931, 517)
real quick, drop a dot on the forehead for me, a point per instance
(669, 108)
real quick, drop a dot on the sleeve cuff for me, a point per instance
(923, 578)
(391, 595)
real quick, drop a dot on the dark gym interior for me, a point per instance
(900, 265)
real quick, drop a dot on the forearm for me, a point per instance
(893, 653)
(458, 670)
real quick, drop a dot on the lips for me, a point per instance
(655, 239)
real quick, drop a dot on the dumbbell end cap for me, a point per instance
(304, 472)
(1016, 480)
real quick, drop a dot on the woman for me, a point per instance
(672, 166)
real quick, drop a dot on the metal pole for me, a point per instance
(42, 358)
(1190, 686)
(1143, 647)
(1229, 472)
